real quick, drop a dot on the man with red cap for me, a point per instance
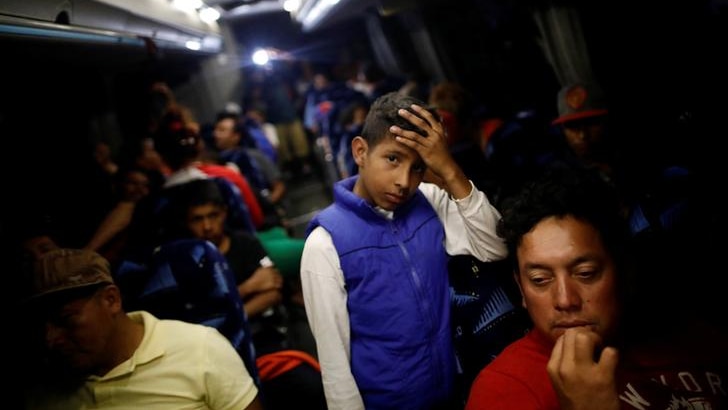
(583, 118)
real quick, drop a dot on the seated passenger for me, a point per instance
(256, 120)
(592, 347)
(131, 186)
(106, 358)
(199, 211)
(181, 148)
(262, 173)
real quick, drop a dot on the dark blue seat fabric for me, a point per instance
(258, 139)
(190, 280)
(248, 166)
(486, 313)
(238, 217)
(665, 204)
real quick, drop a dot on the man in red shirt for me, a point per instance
(592, 345)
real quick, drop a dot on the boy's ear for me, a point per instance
(359, 148)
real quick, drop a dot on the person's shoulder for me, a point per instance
(243, 237)
(317, 235)
(169, 326)
(519, 358)
(175, 338)
(190, 339)
(260, 157)
(516, 378)
(256, 153)
(215, 169)
(180, 325)
(319, 243)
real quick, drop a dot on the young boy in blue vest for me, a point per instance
(374, 266)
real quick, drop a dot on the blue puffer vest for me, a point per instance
(395, 273)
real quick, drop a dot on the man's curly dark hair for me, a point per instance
(566, 192)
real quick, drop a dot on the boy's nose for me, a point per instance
(403, 180)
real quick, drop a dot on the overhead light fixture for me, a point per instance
(194, 45)
(209, 15)
(261, 57)
(291, 6)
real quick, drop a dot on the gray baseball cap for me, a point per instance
(580, 101)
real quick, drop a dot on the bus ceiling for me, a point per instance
(144, 24)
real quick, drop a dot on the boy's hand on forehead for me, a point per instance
(433, 148)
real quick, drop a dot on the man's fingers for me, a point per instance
(557, 356)
(576, 346)
(585, 344)
(609, 358)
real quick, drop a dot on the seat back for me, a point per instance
(486, 313)
(190, 280)
(238, 213)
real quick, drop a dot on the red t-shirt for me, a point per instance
(516, 378)
(686, 370)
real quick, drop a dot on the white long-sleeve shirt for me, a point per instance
(469, 229)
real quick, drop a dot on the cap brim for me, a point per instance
(579, 116)
(61, 295)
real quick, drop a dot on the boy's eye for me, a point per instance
(392, 158)
(419, 168)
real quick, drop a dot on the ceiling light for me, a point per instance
(209, 15)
